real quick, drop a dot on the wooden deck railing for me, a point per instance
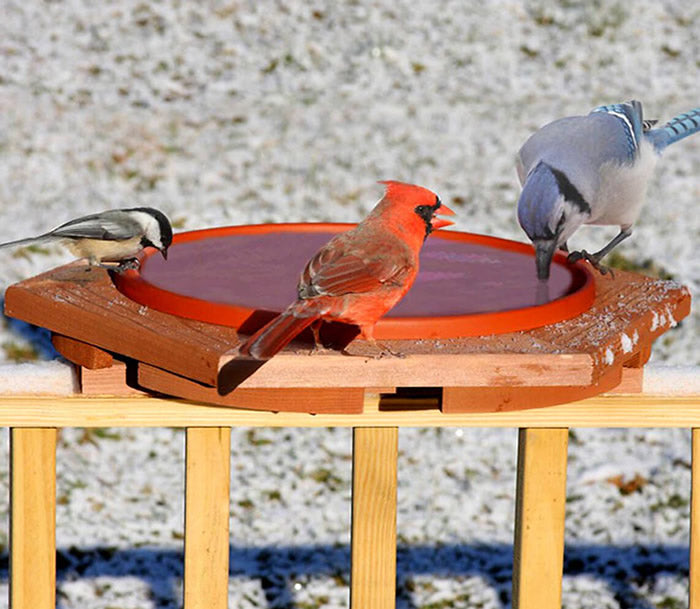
(541, 478)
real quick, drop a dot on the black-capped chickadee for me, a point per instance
(115, 236)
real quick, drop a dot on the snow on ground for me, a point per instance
(241, 112)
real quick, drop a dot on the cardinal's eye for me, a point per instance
(425, 212)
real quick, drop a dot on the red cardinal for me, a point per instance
(360, 274)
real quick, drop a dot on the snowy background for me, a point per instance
(243, 112)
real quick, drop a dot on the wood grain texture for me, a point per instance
(421, 370)
(694, 577)
(538, 553)
(80, 353)
(514, 397)
(328, 400)
(373, 534)
(207, 485)
(632, 381)
(617, 379)
(618, 410)
(33, 518)
(630, 311)
(86, 306)
(107, 381)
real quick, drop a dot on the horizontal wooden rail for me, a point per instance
(613, 410)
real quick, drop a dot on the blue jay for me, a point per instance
(590, 169)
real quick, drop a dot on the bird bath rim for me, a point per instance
(579, 299)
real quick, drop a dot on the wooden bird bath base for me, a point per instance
(473, 335)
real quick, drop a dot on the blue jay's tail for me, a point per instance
(674, 130)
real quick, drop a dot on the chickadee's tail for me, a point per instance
(676, 129)
(275, 335)
(24, 242)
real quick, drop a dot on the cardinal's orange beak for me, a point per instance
(443, 210)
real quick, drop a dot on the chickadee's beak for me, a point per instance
(544, 252)
(164, 251)
(437, 223)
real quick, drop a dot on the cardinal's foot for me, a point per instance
(380, 351)
(319, 348)
(386, 352)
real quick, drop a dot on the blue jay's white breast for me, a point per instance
(622, 189)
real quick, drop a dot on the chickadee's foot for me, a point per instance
(592, 259)
(131, 264)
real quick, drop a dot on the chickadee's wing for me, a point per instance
(111, 226)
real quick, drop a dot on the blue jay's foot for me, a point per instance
(593, 259)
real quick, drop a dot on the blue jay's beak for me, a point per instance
(544, 252)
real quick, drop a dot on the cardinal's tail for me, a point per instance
(273, 336)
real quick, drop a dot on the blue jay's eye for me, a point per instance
(561, 223)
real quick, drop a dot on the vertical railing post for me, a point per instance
(207, 485)
(539, 518)
(373, 537)
(694, 584)
(33, 518)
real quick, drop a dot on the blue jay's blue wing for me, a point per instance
(110, 225)
(578, 146)
(676, 129)
(631, 120)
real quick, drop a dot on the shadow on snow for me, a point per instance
(620, 568)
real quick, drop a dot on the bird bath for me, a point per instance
(468, 285)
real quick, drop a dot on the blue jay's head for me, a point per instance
(550, 209)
